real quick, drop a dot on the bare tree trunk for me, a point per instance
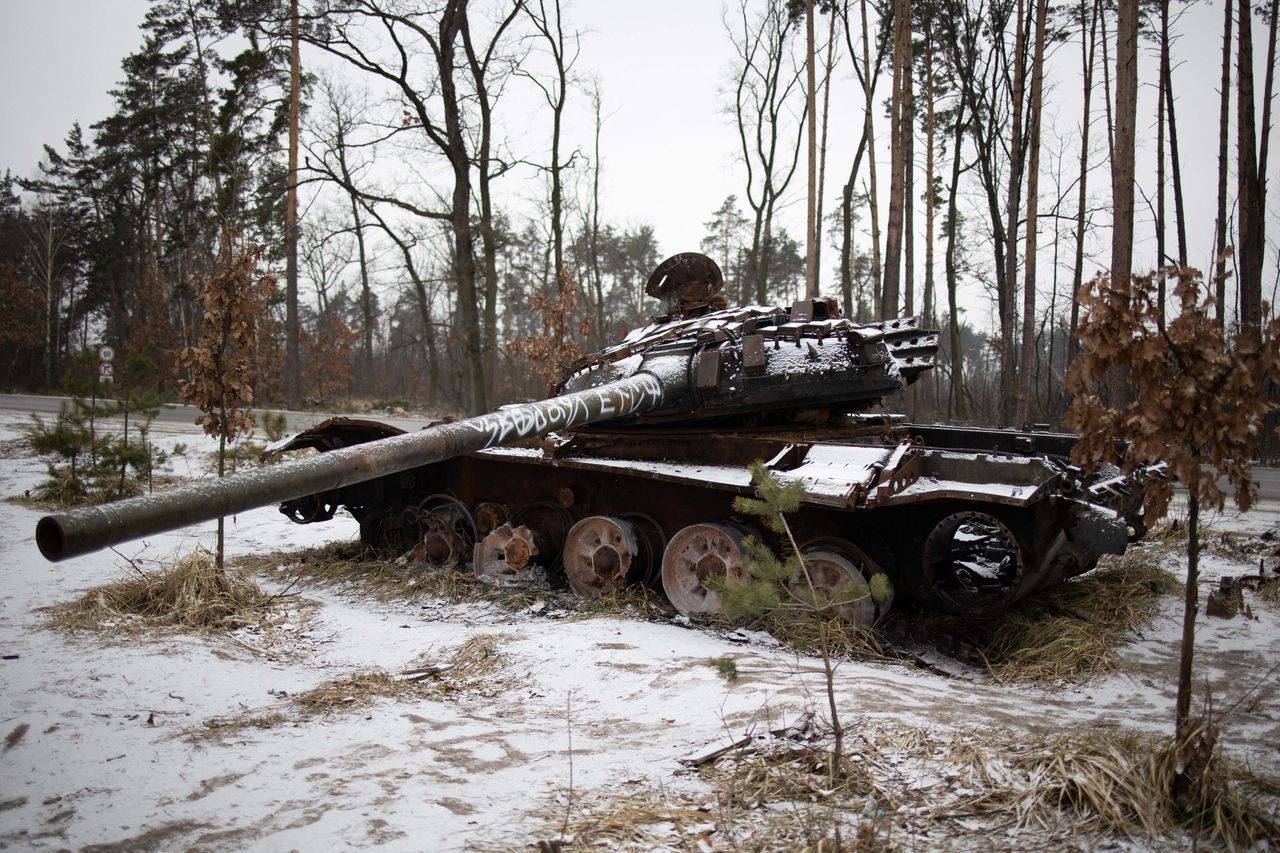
(1251, 164)
(480, 66)
(594, 234)
(1025, 384)
(929, 198)
(956, 396)
(1182, 708)
(1175, 163)
(811, 199)
(464, 264)
(1160, 130)
(1224, 120)
(1077, 275)
(822, 143)
(868, 129)
(1122, 175)
(292, 359)
(1009, 290)
(908, 186)
(553, 33)
(897, 170)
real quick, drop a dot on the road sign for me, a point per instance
(106, 371)
(106, 353)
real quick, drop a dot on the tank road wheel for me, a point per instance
(598, 553)
(446, 532)
(693, 557)
(549, 523)
(841, 576)
(603, 554)
(490, 516)
(507, 556)
(973, 564)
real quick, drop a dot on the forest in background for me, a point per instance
(422, 268)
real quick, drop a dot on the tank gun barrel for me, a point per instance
(80, 531)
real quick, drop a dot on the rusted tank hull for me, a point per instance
(957, 530)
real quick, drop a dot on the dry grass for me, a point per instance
(370, 570)
(192, 594)
(472, 664)
(914, 789)
(1067, 632)
(357, 690)
(356, 565)
(1269, 591)
(788, 773)
(1122, 785)
(1070, 631)
(844, 640)
(222, 726)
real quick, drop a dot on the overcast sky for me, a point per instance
(669, 148)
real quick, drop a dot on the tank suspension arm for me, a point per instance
(79, 531)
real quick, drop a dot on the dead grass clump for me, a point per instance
(787, 773)
(191, 594)
(474, 661)
(370, 570)
(1069, 631)
(1124, 785)
(357, 690)
(634, 600)
(845, 640)
(223, 726)
(1269, 591)
(646, 820)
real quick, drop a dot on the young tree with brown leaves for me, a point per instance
(220, 367)
(1197, 401)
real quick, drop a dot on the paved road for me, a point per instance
(1268, 478)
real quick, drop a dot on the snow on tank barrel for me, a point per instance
(79, 531)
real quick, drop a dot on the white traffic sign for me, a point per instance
(106, 353)
(106, 370)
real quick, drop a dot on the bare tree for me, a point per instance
(1090, 12)
(812, 208)
(868, 134)
(765, 81)
(1224, 119)
(46, 257)
(898, 131)
(421, 70)
(292, 359)
(1122, 175)
(1008, 287)
(488, 83)
(550, 26)
(1251, 166)
(1025, 384)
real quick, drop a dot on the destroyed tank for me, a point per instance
(629, 472)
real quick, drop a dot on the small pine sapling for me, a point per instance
(784, 588)
(1195, 400)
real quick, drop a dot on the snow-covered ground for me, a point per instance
(115, 750)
